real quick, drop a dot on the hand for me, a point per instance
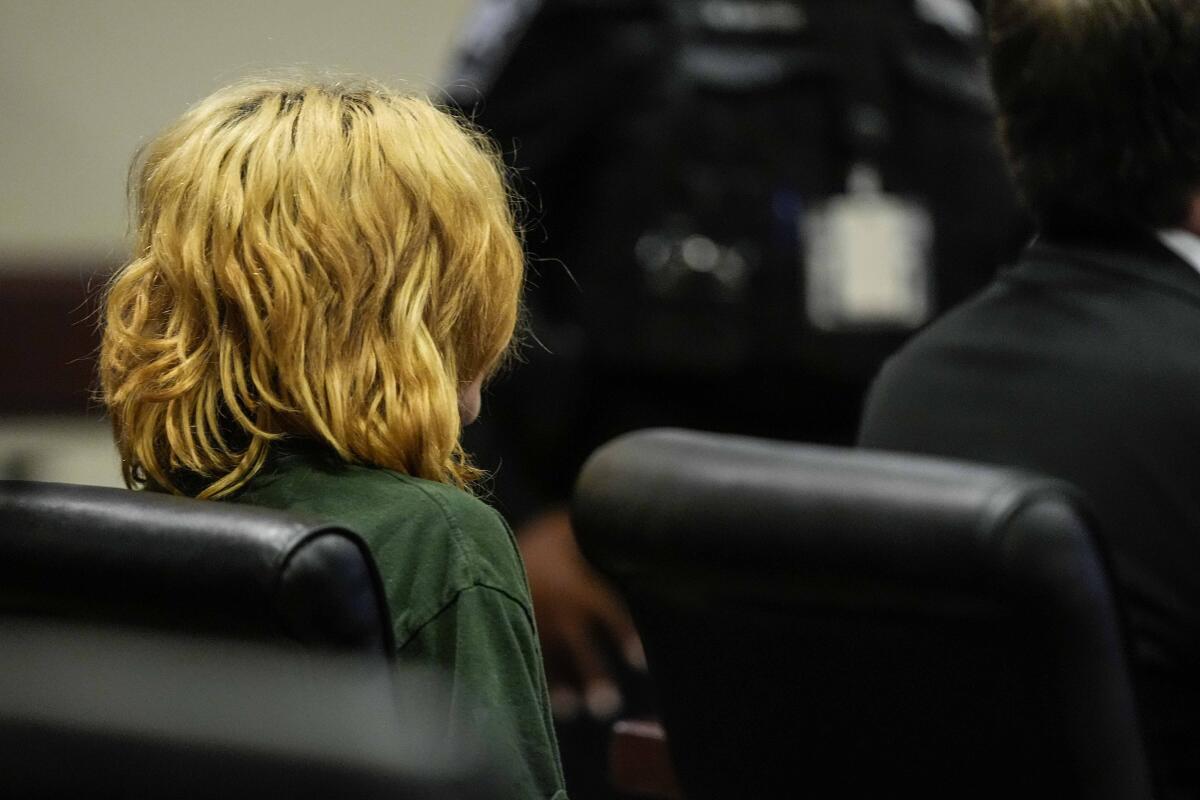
(574, 606)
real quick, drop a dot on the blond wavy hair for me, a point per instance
(327, 260)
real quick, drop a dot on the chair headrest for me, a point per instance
(112, 555)
(670, 498)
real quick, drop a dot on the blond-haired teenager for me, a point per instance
(324, 275)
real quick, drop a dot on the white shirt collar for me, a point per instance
(1184, 244)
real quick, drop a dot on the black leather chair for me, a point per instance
(224, 651)
(831, 623)
(139, 558)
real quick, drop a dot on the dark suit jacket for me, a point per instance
(1083, 362)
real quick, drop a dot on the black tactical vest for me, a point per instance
(687, 233)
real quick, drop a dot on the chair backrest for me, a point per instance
(834, 623)
(140, 558)
(89, 711)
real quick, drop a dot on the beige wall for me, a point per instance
(83, 82)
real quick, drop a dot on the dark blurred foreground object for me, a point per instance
(153, 717)
(857, 624)
(139, 558)
(104, 712)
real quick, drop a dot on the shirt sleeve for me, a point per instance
(484, 640)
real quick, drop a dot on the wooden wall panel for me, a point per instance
(48, 339)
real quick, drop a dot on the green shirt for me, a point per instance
(457, 592)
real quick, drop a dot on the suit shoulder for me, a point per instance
(913, 379)
(960, 324)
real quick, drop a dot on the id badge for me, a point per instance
(867, 262)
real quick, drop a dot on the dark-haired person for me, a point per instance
(324, 275)
(1083, 360)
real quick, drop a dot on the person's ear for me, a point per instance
(470, 399)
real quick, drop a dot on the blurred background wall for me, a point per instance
(82, 84)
